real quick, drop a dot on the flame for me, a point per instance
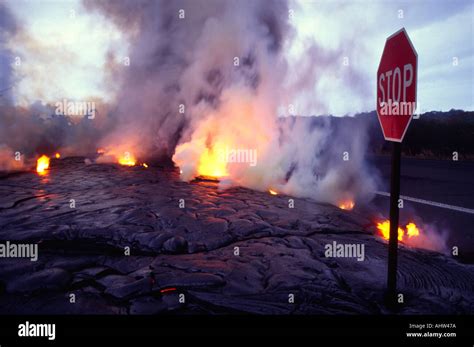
(57, 155)
(272, 192)
(411, 230)
(384, 228)
(127, 159)
(211, 165)
(225, 129)
(42, 165)
(145, 165)
(115, 155)
(347, 205)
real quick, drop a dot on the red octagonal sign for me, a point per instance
(396, 86)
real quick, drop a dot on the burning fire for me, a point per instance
(127, 159)
(347, 205)
(211, 165)
(42, 165)
(411, 230)
(115, 156)
(145, 165)
(272, 192)
(57, 155)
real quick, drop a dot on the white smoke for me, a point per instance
(225, 63)
(227, 66)
(431, 237)
(29, 130)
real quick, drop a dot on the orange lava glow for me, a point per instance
(127, 159)
(42, 165)
(167, 290)
(347, 205)
(211, 165)
(411, 230)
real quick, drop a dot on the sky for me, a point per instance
(439, 30)
(64, 51)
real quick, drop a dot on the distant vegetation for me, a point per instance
(435, 135)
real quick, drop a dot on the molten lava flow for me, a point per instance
(211, 164)
(42, 165)
(347, 205)
(127, 159)
(384, 228)
(272, 192)
(167, 290)
(117, 155)
(411, 230)
(57, 155)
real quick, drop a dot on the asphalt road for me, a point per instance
(435, 181)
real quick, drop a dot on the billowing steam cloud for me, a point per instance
(184, 61)
(27, 131)
(205, 79)
(8, 26)
(211, 80)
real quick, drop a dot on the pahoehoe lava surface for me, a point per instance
(192, 249)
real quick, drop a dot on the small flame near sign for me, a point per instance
(410, 230)
(272, 192)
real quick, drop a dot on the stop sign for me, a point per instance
(396, 86)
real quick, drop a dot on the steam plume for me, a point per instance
(225, 62)
(206, 77)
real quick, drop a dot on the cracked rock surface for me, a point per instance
(226, 251)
